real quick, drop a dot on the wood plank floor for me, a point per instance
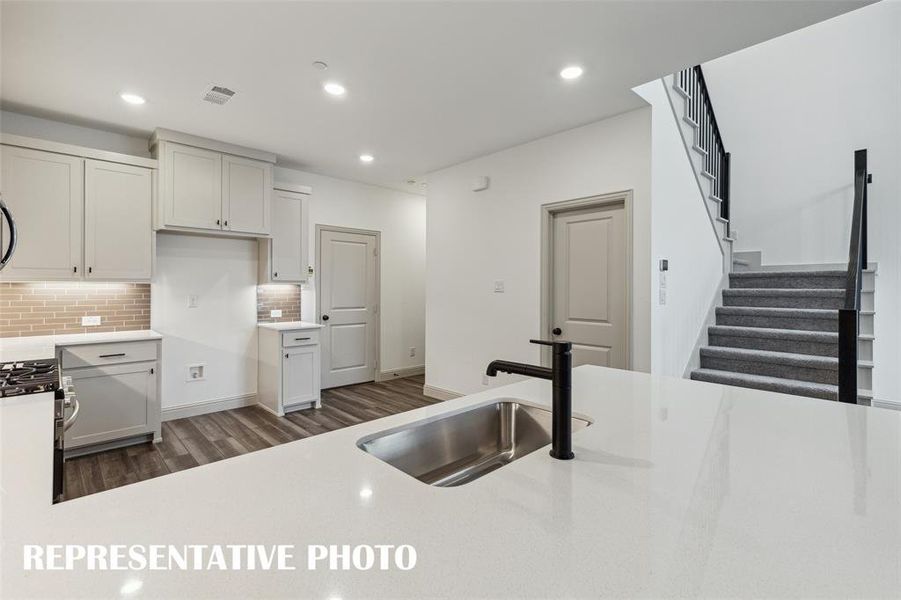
(207, 438)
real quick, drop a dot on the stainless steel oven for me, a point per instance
(64, 399)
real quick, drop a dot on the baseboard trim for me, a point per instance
(207, 406)
(439, 393)
(885, 404)
(400, 373)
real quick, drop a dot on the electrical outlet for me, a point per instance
(412, 351)
(90, 321)
(193, 301)
(484, 379)
(499, 286)
(275, 313)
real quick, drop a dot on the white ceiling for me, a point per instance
(429, 84)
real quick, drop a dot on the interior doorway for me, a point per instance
(586, 277)
(347, 297)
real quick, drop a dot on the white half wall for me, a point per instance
(792, 112)
(475, 238)
(682, 233)
(221, 332)
(401, 219)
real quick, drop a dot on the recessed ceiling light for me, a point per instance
(571, 72)
(132, 98)
(366, 158)
(335, 89)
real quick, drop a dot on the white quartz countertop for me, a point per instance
(678, 489)
(44, 346)
(290, 325)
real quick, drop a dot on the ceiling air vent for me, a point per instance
(218, 94)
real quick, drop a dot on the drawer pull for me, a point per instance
(301, 339)
(112, 355)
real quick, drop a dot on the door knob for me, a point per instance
(325, 317)
(556, 331)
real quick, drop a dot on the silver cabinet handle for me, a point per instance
(74, 416)
(111, 355)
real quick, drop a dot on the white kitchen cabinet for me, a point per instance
(212, 187)
(117, 387)
(191, 187)
(288, 368)
(246, 193)
(284, 257)
(45, 193)
(118, 229)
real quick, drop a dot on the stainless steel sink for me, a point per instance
(461, 447)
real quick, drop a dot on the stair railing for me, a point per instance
(717, 162)
(849, 316)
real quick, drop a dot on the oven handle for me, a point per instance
(72, 418)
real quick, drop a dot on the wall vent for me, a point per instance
(218, 94)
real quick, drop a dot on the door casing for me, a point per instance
(378, 282)
(548, 213)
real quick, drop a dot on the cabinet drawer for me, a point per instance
(92, 355)
(305, 337)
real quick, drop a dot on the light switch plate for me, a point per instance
(499, 286)
(90, 321)
(275, 313)
(192, 301)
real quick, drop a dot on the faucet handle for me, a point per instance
(553, 343)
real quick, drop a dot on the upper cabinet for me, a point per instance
(80, 213)
(283, 258)
(212, 186)
(45, 194)
(118, 229)
(246, 193)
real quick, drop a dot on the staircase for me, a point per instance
(778, 331)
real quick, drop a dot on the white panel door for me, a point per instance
(117, 228)
(45, 193)
(589, 285)
(348, 265)
(300, 375)
(246, 189)
(192, 189)
(289, 240)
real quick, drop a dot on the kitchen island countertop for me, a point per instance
(678, 488)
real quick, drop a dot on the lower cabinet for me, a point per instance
(117, 388)
(289, 373)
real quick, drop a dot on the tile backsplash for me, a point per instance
(49, 308)
(278, 296)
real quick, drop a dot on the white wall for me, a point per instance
(792, 111)
(221, 332)
(57, 131)
(400, 217)
(475, 238)
(682, 233)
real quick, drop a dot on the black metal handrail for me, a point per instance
(717, 162)
(849, 316)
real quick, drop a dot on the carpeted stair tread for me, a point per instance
(800, 292)
(765, 356)
(795, 335)
(766, 383)
(769, 311)
(788, 279)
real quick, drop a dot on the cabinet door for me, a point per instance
(117, 228)
(246, 189)
(45, 193)
(289, 240)
(192, 187)
(300, 375)
(115, 402)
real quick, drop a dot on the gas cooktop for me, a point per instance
(28, 377)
